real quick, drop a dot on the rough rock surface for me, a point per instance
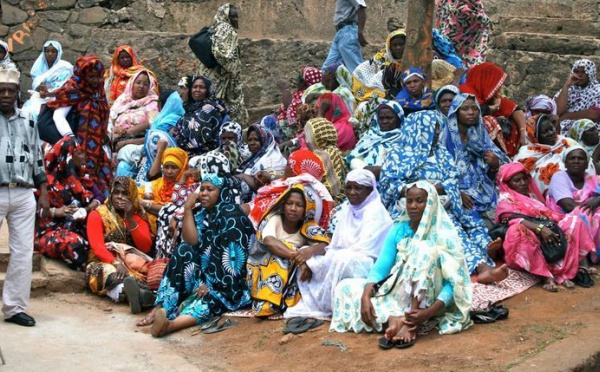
(535, 41)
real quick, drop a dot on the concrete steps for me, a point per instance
(548, 43)
(549, 26)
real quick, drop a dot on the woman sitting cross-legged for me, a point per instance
(120, 239)
(419, 274)
(362, 226)
(287, 236)
(518, 193)
(206, 274)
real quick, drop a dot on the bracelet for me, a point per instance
(538, 230)
(52, 212)
(522, 129)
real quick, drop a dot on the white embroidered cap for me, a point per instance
(9, 75)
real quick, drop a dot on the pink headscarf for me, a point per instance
(512, 201)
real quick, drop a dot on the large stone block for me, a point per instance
(3, 30)
(11, 15)
(56, 4)
(93, 16)
(55, 15)
(50, 26)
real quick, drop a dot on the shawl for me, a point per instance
(127, 112)
(268, 156)
(436, 232)
(512, 201)
(310, 76)
(92, 108)
(306, 161)
(582, 98)
(344, 90)
(242, 151)
(362, 228)
(472, 169)
(409, 103)
(198, 129)
(442, 73)
(225, 41)
(368, 76)
(576, 133)
(115, 229)
(117, 76)
(171, 111)
(441, 91)
(445, 49)
(543, 161)
(6, 62)
(374, 145)
(339, 116)
(484, 82)
(320, 135)
(53, 77)
(541, 102)
(269, 201)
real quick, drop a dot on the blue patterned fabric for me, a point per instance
(472, 169)
(446, 50)
(219, 262)
(169, 114)
(415, 158)
(374, 145)
(410, 104)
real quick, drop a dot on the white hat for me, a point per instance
(9, 75)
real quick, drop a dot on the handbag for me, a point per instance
(156, 270)
(47, 128)
(201, 44)
(552, 253)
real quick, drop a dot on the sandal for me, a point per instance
(301, 325)
(583, 279)
(160, 327)
(210, 323)
(386, 344)
(228, 323)
(404, 344)
(499, 312)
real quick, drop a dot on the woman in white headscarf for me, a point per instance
(5, 61)
(363, 225)
(49, 72)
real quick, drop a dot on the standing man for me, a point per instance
(21, 169)
(349, 20)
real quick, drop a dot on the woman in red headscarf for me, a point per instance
(123, 66)
(84, 92)
(484, 81)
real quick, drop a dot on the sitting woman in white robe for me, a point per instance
(363, 225)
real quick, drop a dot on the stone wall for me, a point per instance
(535, 41)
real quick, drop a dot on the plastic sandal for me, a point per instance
(404, 344)
(210, 323)
(386, 344)
(228, 323)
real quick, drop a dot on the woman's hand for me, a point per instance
(127, 208)
(191, 200)
(121, 272)
(549, 236)
(491, 159)
(306, 274)
(192, 173)
(416, 318)
(202, 291)
(262, 178)
(466, 200)
(161, 145)
(302, 255)
(367, 311)
(495, 106)
(591, 205)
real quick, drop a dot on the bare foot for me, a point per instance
(148, 319)
(489, 275)
(550, 285)
(394, 325)
(494, 247)
(405, 337)
(568, 284)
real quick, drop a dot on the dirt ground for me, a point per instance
(84, 332)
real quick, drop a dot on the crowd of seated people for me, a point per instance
(367, 200)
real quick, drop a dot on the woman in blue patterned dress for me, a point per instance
(476, 157)
(206, 274)
(419, 155)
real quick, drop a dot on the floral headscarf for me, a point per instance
(306, 161)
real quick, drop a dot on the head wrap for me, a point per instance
(445, 89)
(442, 73)
(579, 127)
(484, 81)
(6, 62)
(306, 161)
(540, 102)
(363, 177)
(118, 76)
(570, 149)
(413, 71)
(311, 75)
(176, 156)
(588, 66)
(215, 179)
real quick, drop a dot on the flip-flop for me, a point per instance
(499, 312)
(301, 325)
(228, 323)
(404, 344)
(482, 317)
(386, 344)
(210, 323)
(583, 279)
(161, 324)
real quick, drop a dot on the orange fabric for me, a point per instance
(121, 75)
